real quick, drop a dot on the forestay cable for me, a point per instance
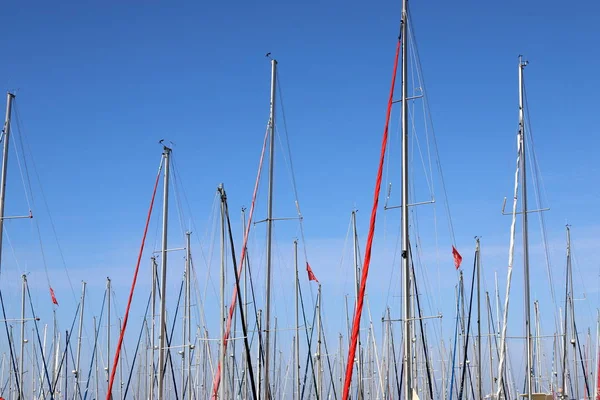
(367, 262)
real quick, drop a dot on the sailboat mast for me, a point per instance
(406, 283)
(187, 321)
(107, 330)
(528, 387)
(270, 226)
(356, 290)
(5, 149)
(222, 387)
(597, 385)
(22, 358)
(297, 342)
(77, 372)
(152, 332)
(479, 360)
(574, 375)
(489, 309)
(163, 281)
(319, 356)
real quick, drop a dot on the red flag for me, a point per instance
(311, 276)
(53, 297)
(457, 257)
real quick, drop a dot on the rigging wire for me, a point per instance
(25, 146)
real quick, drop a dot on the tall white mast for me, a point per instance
(596, 385)
(297, 342)
(107, 330)
(527, 299)
(270, 225)
(77, 360)
(186, 361)
(479, 361)
(5, 148)
(22, 357)
(223, 384)
(163, 282)
(406, 281)
(319, 356)
(152, 331)
(356, 290)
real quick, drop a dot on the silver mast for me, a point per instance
(97, 383)
(596, 387)
(319, 357)
(574, 376)
(528, 387)
(406, 281)
(258, 353)
(152, 331)
(22, 358)
(163, 282)
(356, 290)
(479, 377)
(245, 358)
(270, 225)
(297, 343)
(108, 330)
(489, 324)
(77, 372)
(187, 327)
(223, 384)
(5, 138)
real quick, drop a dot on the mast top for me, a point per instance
(522, 63)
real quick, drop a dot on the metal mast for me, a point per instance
(22, 358)
(152, 331)
(319, 358)
(223, 384)
(270, 225)
(5, 138)
(479, 377)
(406, 282)
(574, 376)
(163, 283)
(356, 290)
(77, 372)
(528, 387)
(108, 330)
(187, 321)
(297, 343)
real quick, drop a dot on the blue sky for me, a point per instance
(99, 84)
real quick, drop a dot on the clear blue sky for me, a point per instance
(98, 84)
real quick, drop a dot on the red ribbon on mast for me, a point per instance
(367, 262)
